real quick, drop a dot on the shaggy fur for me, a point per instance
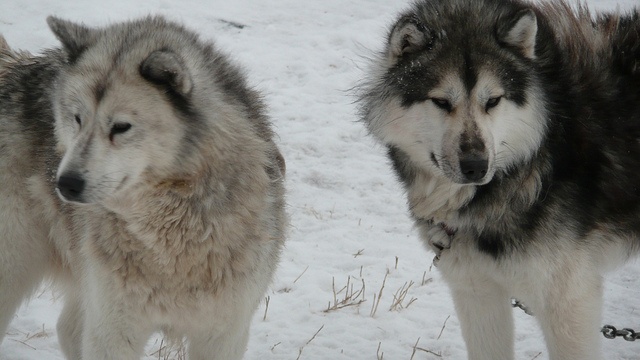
(139, 171)
(515, 128)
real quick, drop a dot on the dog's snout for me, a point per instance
(71, 186)
(474, 170)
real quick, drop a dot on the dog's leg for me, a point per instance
(113, 330)
(570, 313)
(485, 314)
(483, 305)
(113, 334)
(70, 327)
(25, 255)
(229, 344)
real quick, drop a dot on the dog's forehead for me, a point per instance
(482, 70)
(467, 73)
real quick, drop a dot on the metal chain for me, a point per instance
(610, 332)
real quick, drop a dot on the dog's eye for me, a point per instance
(78, 120)
(443, 104)
(493, 102)
(118, 128)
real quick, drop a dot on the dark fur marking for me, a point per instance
(469, 72)
(99, 91)
(492, 244)
(405, 172)
(25, 94)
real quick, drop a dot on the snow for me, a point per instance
(349, 221)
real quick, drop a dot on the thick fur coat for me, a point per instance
(515, 128)
(139, 172)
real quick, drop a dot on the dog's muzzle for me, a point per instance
(70, 187)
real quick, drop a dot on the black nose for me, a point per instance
(70, 186)
(473, 169)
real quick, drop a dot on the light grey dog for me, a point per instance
(138, 170)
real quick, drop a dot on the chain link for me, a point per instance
(610, 332)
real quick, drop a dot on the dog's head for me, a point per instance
(455, 89)
(122, 109)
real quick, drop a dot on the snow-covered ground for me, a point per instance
(354, 281)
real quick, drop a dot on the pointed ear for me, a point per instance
(75, 38)
(520, 32)
(164, 67)
(407, 36)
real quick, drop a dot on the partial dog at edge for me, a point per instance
(138, 169)
(515, 128)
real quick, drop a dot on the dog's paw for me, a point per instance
(439, 238)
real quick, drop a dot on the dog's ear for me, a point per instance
(164, 67)
(408, 35)
(519, 32)
(75, 38)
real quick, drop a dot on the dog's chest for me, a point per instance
(163, 263)
(434, 198)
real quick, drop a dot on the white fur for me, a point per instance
(562, 287)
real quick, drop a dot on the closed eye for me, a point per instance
(491, 103)
(443, 104)
(118, 128)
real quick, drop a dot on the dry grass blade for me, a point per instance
(352, 297)
(170, 351)
(308, 342)
(24, 343)
(399, 297)
(438, 354)
(379, 354)
(425, 280)
(299, 276)
(266, 308)
(376, 301)
(416, 348)
(443, 325)
(40, 334)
